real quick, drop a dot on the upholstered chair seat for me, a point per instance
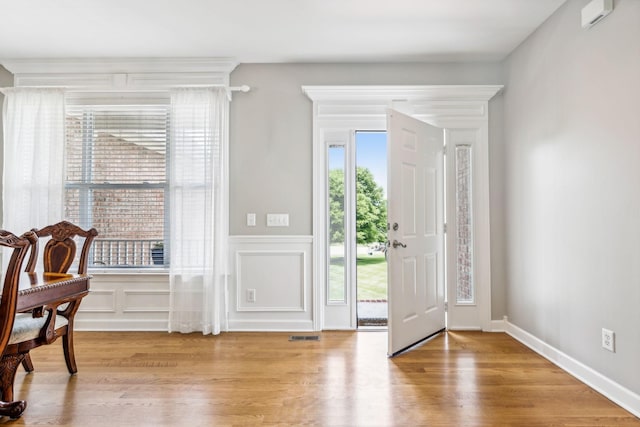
(26, 327)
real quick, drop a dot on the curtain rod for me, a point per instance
(243, 88)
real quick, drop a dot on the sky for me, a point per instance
(371, 153)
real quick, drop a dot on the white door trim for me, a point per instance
(364, 107)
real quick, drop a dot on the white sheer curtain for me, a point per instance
(197, 244)
(33, 122)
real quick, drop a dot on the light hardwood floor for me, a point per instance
(345, 379)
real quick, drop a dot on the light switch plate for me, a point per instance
(277, 220)
(251, 220)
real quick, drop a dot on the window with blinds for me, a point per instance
(117, 181)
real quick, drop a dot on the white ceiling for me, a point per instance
(271, 30)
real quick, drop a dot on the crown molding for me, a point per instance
(118, 65)
(123, 74)
(440, 105)
(479, 93)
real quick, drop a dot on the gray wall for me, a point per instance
(271, 131)
(6, 80)
(271, 140)
(571, 178)
(496, 207)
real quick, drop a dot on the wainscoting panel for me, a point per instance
(277, 268)
(275, 279)
(125, 301)
(103, 301)
(145, 301)
(270, 283)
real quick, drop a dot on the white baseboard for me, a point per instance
(498, 325)
(129, 325)
(494, 326)
(464, 328)
(605, 386)
(270, 325)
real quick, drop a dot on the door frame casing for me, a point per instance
(346, 108)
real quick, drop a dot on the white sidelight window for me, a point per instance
(464, 225)
(337, 243)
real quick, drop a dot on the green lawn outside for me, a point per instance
(372, 276)
(371, 271)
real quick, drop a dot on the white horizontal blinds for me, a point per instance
(116, 178)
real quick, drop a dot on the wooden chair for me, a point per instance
(11, 330)
(57, 257)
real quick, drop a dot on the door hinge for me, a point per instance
(444, 228)
(446, 306)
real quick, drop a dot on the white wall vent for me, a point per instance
(595, 11)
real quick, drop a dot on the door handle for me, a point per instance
(395, 244)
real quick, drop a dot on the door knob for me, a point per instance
(395, 244)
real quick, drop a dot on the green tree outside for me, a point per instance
(336, 205)
(371, 208)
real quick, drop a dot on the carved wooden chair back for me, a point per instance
(58, 255)
(60, 251)
(8, 303)
(9, 299)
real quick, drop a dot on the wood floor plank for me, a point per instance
(345, 379)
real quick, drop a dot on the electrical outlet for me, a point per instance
(608, 340)
(251, 295)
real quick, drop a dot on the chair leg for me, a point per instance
(69, 355)
(12, 410)
(67, 339)
(27, 363)
(8, 367)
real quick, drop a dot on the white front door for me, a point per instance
(415, 212)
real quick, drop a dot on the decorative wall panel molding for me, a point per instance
(125, 301)
(103, 301)
(278, 279)
(144, 301)
(275, 272)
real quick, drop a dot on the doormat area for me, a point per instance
(372, 322)
(372, 313)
